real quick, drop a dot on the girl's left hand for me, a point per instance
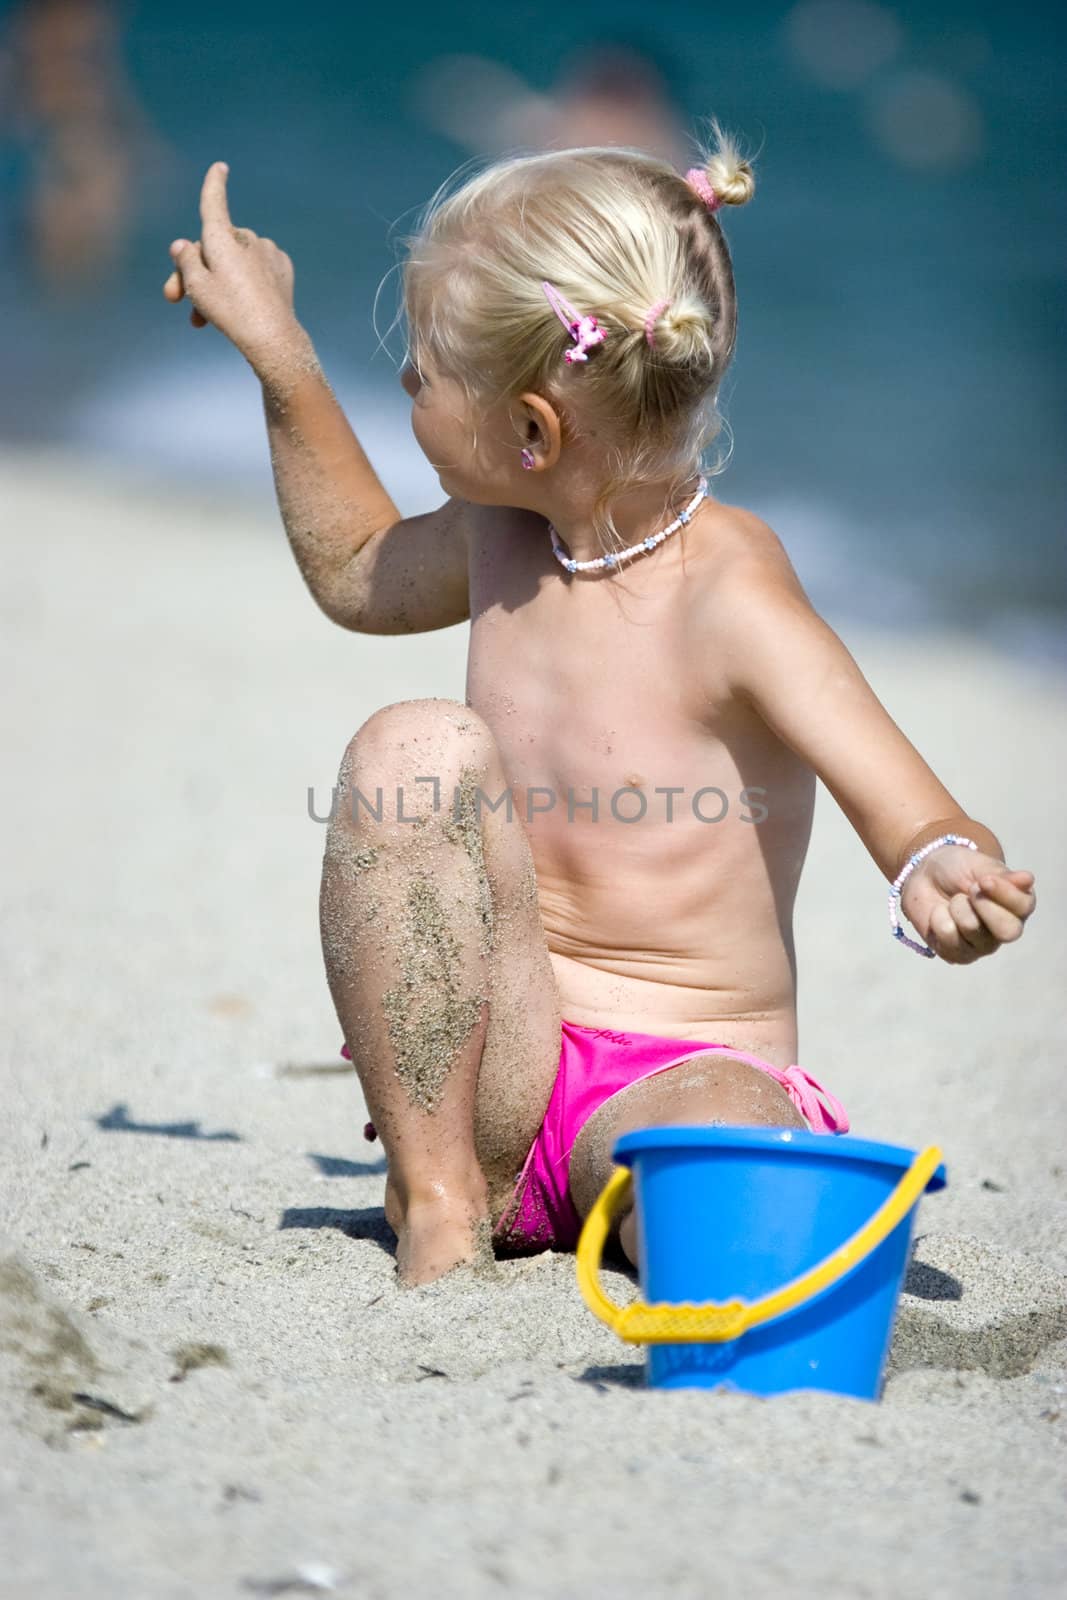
(967, 904)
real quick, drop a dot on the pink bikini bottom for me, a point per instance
(594, 1064)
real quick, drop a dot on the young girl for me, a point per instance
(564, 909)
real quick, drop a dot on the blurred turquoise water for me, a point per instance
(897, 397)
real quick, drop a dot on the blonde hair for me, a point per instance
(616, 232)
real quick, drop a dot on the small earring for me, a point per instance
(527, 459)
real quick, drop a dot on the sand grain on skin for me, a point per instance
(346, 858)
(427, 1016)
(464, 828)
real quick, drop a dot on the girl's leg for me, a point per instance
(439, 970)
(704, 1090)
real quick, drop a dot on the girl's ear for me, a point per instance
(537, 424)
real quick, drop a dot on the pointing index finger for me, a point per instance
(214, 206)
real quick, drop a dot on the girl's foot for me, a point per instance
(437, 1233)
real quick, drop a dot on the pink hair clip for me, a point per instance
(654, 314)
(701, 185)
(585, 331)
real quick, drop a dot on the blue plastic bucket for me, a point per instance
(728, 1214)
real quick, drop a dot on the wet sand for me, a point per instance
(211, 1384)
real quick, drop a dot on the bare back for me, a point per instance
(678, 922)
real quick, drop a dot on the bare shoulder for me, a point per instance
(748, 593)
(758, 642)
(743, 554)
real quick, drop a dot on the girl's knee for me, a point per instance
(410, 735)
(408, 760)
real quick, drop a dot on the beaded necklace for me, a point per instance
(614, 558)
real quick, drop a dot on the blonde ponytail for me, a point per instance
(727, 171)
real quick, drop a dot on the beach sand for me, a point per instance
(193, 1239)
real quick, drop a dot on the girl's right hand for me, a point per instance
(238, 282)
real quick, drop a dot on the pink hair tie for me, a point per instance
(700, 184)
(585, 331)
(654, 314)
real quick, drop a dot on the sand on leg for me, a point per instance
(707, 1089)
(439, 971)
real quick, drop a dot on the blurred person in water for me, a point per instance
(66, 96)
(609, 92)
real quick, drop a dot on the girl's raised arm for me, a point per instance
(367, 567)
(793, 669)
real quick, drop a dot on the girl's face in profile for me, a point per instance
(439, 423)
(442, 423)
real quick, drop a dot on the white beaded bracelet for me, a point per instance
(894, 893)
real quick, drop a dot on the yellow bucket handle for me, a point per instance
(641, 1323)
